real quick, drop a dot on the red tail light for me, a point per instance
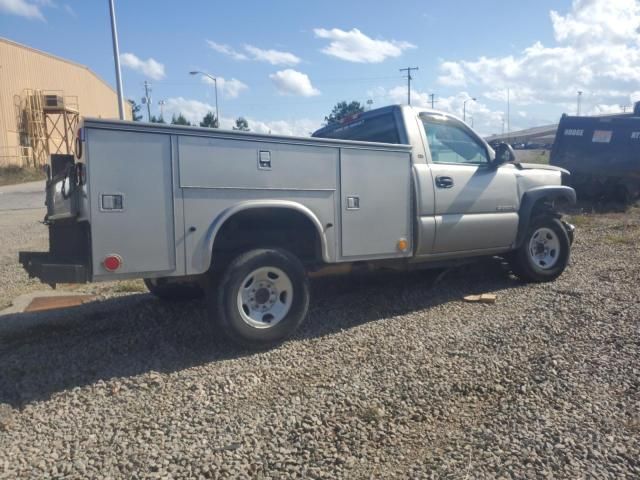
(111, 263)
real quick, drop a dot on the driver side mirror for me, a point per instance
(504, 154)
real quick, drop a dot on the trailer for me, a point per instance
(602, 153)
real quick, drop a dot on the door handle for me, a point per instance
(353, 203)
(444, 182)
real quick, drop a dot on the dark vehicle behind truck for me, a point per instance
(602, 154)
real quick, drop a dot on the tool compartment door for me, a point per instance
(375, 203)
(130, 187)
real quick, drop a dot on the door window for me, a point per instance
(450, 143)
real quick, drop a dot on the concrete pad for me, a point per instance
(15, 320)
(20, 304)
(41, 304)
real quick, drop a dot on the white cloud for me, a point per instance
(292, 82)
(298, 128)
(452, 74)
(274, 57)
(226, 50)
(597, 51)
(149, 67)
(229, 88)
(355, 46)
(22, 8)
(69, 9)
(194, 111)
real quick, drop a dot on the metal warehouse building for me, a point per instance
(42, 98)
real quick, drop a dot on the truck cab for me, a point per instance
(461, 185)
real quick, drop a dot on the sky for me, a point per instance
(284, 64)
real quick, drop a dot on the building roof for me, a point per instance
(55, 57)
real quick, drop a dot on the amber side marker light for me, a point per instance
(403, 245)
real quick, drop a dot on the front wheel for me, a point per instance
(544, 253)
(262, 298)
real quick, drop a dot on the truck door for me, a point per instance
(375, 203)
(131, 201)
(475, 204)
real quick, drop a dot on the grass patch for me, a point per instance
(13, 175)
(620, 239)
(129, 286)
(624, 235)
(581, 220)
(540, 159)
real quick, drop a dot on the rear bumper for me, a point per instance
(69, 257)
(51, 269)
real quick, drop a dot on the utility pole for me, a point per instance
(508, 113)
(409, 78)
(579, 102)
(161, 103)
(432, 96)
(116, 58)
(147, 90)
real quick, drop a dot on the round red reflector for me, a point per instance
(112, 263)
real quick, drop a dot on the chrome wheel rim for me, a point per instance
(544, 248)
(265, 297)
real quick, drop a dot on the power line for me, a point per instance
(409, 78)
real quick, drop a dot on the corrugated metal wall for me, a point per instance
(22, 67)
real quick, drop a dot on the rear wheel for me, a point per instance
(262, 298)
(173, 291)
(544, 253)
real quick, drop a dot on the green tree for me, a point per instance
(135, 111)
(179, 120)
(209, 120)
(343, 110)
(158, 119)
(242, 124)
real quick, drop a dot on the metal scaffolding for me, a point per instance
(47, 121)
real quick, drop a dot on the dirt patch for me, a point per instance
(15, 175)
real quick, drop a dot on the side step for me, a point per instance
(52, 269)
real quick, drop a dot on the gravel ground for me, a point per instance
(19, 230)
(391, 377)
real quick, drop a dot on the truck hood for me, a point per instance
(538, 166)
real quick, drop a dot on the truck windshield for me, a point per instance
(450, 143)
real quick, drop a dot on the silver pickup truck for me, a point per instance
(244, 218)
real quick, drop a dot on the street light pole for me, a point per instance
(464, 108)
(116, 58)
(215, 85)
(579, 98)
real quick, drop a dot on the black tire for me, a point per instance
(225, 310)
(522, 262)
(173, 292)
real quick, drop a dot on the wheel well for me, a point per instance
(550, 201)
(268, 227)
(549, 205)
